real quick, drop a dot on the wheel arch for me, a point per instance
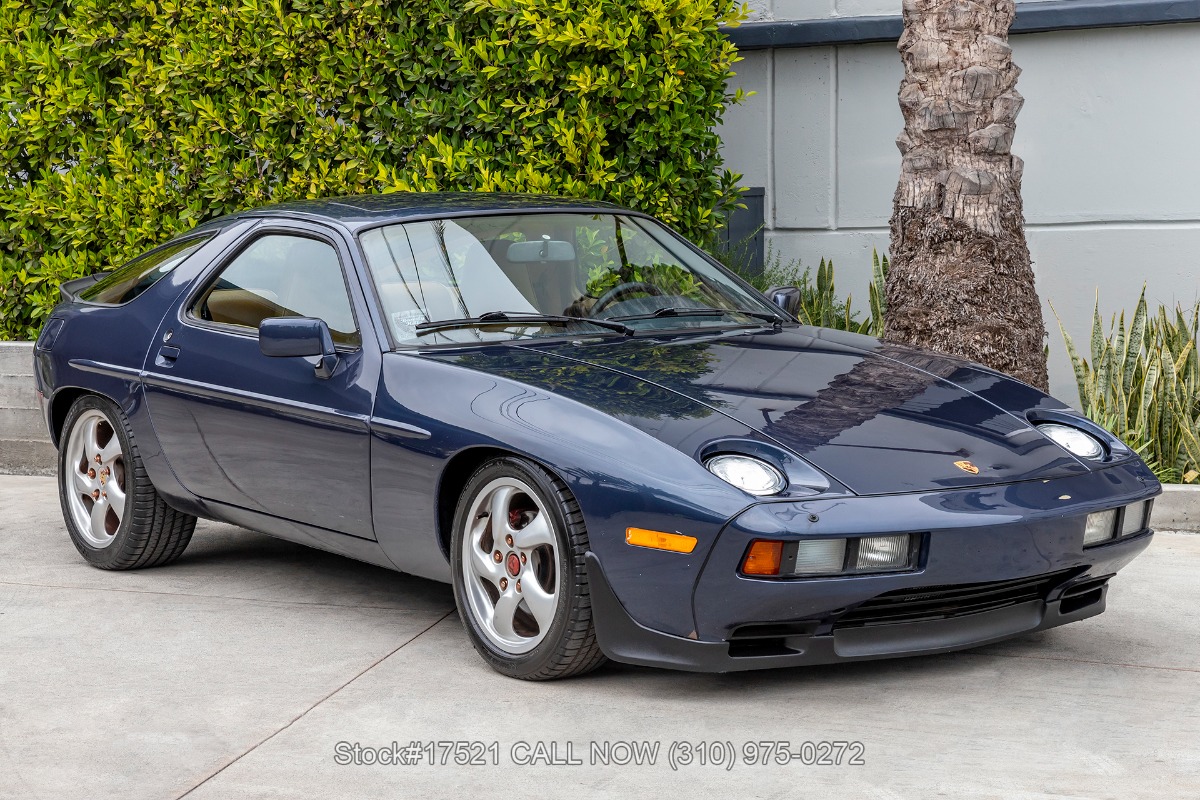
(454, 479)
(60, 406)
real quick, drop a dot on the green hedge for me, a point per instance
(123, 122)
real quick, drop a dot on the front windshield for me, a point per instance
(597, 266)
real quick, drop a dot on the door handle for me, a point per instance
(166, 356)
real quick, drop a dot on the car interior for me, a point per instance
(282, 276)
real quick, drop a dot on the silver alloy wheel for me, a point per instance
(510, 565)
(96, 479)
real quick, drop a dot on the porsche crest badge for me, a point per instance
(967, 466)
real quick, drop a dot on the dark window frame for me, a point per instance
(189, 306)
(200, 238)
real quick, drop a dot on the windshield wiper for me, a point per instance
(683, 311)
(517, 318)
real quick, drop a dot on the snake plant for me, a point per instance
(1143, 383)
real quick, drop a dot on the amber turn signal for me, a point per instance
(657, 540)
(763, 558)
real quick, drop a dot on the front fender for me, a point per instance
(430, 409)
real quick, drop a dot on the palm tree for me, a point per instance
(961, 280)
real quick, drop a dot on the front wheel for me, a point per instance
(519, 576)
(115, 517)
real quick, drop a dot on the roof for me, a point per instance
(368, 210)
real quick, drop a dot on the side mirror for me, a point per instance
(786, 297)
(295, 337)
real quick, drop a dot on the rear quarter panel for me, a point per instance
(102, 349)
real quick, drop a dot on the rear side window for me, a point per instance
(143, 272)
(281, 275)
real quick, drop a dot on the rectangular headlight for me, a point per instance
(1100, 527)
(882, 553)
(1137, 518)
(820, 556)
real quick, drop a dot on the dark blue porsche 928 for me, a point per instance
(608, 444)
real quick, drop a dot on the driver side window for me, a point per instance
(282, 275)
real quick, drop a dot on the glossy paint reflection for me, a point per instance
(524, 402)
(868, 419)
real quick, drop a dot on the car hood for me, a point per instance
(877, 417)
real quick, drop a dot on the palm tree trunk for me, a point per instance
(961, 280)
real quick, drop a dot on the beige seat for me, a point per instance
(551, 287)
(441, 272)
(243, 307)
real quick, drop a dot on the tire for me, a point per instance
(524, 603)
(115, 517)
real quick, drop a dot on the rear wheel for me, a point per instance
(115, 517)
(519, 577)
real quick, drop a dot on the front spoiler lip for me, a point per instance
(624, 639)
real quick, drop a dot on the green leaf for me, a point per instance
(126, 124)
(1144, 384)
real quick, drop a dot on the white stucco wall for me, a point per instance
(1108, 135)
(817, 9)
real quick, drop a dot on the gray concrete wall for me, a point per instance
(1107, 135)
(24, 443)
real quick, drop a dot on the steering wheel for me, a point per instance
(621, 291)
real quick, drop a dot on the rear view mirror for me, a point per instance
(786, 297)
(298, 337)
(540, 250)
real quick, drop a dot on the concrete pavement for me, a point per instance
(237, 671)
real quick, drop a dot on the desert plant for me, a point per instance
(1143, 383)
(820, 305)
(125, 123)
(819, 301)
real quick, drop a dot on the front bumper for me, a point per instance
(999, 562)
(624, 639)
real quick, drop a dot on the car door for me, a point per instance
(262, 433)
